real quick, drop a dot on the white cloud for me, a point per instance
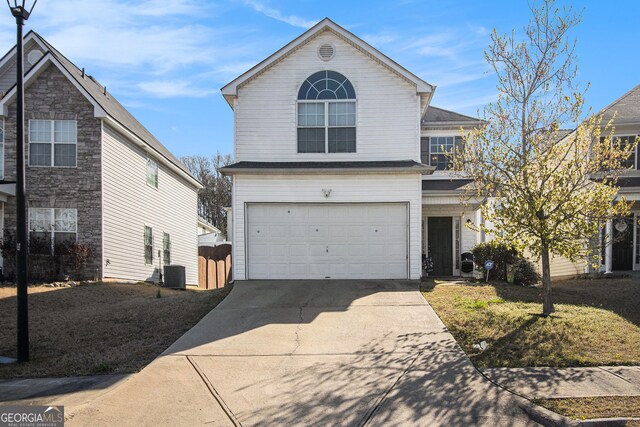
(173, 89)
(296, 21)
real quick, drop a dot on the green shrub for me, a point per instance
(525, 273)
(501, 255)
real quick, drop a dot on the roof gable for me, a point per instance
(229, 91)
(105, 105)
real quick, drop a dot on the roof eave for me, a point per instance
(423, 170)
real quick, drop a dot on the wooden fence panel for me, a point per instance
(214, 266)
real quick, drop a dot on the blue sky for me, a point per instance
(166, 60)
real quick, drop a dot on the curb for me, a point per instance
(606, 422)
(545, 417)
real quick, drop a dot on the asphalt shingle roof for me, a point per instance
(627, 107)
(435, 116)
(444, 184)
(404, 164)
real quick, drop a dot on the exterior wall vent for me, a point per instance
(34, 56)
(326, 52)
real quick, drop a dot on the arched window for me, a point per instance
(326, 114)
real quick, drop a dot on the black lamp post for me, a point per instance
(21, 12)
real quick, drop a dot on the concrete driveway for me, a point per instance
(311, 353)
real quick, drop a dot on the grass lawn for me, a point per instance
(595, 407)
(597, 322)
(99, 329)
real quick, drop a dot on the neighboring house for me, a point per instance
(444, 233)
(93, 172)
(340, 172)
(624, 251)
(208, 234)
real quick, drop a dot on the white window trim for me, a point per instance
(151, 159)
(52, 143)
(52, 213)
(164, 258)
(326, 103)
(637, 135)
(144, 245)
(441, 152)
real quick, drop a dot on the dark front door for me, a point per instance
(440, 245)
(622, 244)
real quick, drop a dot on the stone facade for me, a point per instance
(51, 96)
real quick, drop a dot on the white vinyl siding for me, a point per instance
(387, 109)
(130, 204)
(362, 188)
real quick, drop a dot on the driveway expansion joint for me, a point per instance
(369, 415)
(214, 393)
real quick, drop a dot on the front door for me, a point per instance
(622, 244)
(440, 246)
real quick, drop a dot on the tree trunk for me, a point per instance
(547, 303)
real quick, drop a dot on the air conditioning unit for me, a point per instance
(175, 276)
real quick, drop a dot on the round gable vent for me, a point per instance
(34, 56)
(326, 52)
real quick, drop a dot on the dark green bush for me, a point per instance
(525, 273)
(501, 255)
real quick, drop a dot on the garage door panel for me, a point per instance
(338, 241)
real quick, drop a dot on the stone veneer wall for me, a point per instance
(51, 96)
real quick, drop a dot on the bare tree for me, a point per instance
(542, 194)
(216, 193)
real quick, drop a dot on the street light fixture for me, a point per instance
(21, 11)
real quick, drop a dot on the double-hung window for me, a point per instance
(437, 150)
(166, 249)
(53, 143)
(625, 142)
(326, 114)
(50, 228)
(148, 245)
(152, 173)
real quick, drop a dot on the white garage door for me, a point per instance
(335, 241)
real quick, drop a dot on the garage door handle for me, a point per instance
(327, 249)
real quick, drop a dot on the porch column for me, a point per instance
(608, 253)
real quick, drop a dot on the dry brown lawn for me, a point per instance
(597, 322)
(595, 407)
(99, 328)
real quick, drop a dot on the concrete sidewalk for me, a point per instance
(71, 392)
(549, 383)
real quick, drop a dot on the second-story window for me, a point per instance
(436, 150)
(326, 114)
(53, 143)
(152, 173)
(625, 142)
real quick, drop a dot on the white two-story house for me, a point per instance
(332, 143)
